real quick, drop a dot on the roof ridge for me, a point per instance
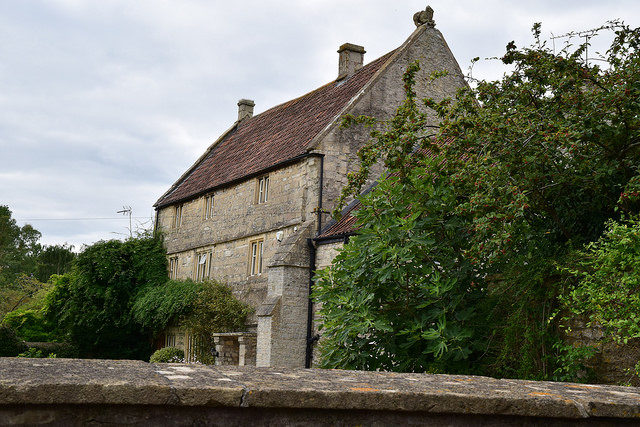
(282, 133)
(336, 81)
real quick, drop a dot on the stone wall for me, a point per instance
(380, 99)
(325, 253)
(613, 363)
(78, 392)
(282, 319)
(237, 221)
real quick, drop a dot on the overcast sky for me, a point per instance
(106, 103)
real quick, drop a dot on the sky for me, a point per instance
(105, 103)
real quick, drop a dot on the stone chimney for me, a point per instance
(350, 59)
(245, 109)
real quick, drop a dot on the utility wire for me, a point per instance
(80, 219)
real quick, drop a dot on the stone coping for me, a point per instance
(234, 334)
(124, 382)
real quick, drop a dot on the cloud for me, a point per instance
(106, 103)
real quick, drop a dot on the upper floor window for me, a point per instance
(203, 265)
(208, 206)
(173, 267)
(177, 220)
(262, 189)
(255, 258)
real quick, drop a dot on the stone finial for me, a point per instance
(245, 109)
(424, 17)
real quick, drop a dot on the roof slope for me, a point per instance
(345, 226)
(279, 134)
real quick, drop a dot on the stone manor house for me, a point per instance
(251, 211)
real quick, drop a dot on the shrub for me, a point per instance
(29, 324)
(156, 306)
(167, 355)
(10, 344)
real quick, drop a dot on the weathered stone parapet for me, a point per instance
(61, 391)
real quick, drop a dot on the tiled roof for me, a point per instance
(279, 134)
(346, 226)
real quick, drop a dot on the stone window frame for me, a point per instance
(262, 190)
(204, 272)
(209, 204)
(173, 267)
(255, 262)
(170, 339)
(177, 215)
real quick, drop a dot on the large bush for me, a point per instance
(156, 306)
(92, 305)
(520, 173)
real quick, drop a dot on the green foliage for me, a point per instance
(400, 296)
(10, 344)
(571, 363)
(167, 355)
(18, 248)
(25, 291)
(604, 281)
(92, 305)
(32, 353)
(215, 309)
(30, 325)
(54, 259)
(157, 306)
(522, 171)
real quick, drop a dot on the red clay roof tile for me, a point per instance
(277, 135)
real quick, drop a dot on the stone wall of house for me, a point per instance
(238, 221)
(325, 253)
(381, 98)
(282, 319)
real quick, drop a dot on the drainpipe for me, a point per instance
(312, 268)
(319, 211)
(310, 338)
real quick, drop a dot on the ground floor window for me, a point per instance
(173, 267)
(255, 258)
(203, 265)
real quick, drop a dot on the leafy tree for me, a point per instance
(522, 171)
(24, 290)
(18, 248)
(92, 304)
(399, 296)
(54, 259)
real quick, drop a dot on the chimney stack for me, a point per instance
(245, 109)
(350, 59)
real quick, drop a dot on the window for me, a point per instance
(173, 267)
(203, 264)
(170, 340)
(262, 189)
(255, 258)
(208, 206)
(178, 217)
